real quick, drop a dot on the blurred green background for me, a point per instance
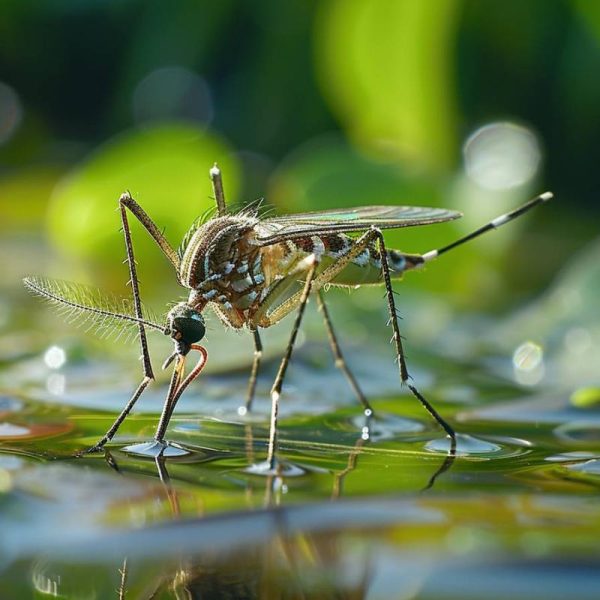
(474, 105)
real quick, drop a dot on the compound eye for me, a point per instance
(192, 328)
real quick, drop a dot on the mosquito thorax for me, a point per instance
(186, 326)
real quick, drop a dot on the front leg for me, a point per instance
(258, 349)
(278, 383)
(125, 201)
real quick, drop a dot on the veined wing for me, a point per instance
(104, 313)
(277, 229)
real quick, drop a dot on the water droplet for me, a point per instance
(386, 426)
(242, 410)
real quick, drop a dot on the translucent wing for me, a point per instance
(107, 315)
(277, 229)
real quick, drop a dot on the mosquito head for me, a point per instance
(186, 326)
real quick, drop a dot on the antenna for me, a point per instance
(494, 224)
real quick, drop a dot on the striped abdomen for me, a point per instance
(363, 269)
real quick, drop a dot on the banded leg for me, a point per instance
(108, 436)
(126, 201)
(278, 383)
(150, 226)
(376, 234)
(359, 246)
(340, 362)
(258, 348)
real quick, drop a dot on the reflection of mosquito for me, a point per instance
(253, 272)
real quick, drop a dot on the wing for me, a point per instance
(106, 314)
(277, 229)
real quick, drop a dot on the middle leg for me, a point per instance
(340, 362)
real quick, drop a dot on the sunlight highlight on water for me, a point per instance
(281, 469)
(56, 384)
(385, 426)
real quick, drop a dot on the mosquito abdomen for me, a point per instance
(365, 269)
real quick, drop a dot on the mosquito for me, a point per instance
(252, 272)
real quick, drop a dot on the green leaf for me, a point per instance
(387, 69)
(166, 170)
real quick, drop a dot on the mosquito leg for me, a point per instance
(278, 383)
(115, 426)
(253, 373)
(125, 201)
(123, 571)
(340, 362)
(404, 376)
(142, 216)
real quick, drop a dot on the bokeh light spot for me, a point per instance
(56, 384)
(500, 156)
(528, 363)
(55, 357)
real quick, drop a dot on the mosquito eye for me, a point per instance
(191, 329)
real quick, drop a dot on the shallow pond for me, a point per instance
(357, 509)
